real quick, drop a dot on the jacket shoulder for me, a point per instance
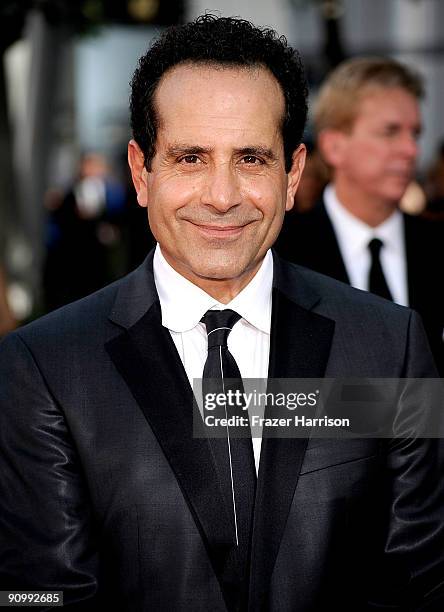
(340, 297)
(86, 313)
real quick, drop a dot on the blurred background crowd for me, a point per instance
(69, 220)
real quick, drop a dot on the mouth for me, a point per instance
(405, 174)
(219, 231)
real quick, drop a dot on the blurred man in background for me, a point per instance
(367, 120)
(83, 225)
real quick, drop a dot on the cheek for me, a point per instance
(165, 198)
(366, 160)
(267, 196)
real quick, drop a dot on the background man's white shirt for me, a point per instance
(353, 236)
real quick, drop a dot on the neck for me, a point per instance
(368, 208)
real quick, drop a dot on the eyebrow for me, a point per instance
(257, 151)
(185, 149)
(177, 150)
(418, 128)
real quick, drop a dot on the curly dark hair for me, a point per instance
(225, 41)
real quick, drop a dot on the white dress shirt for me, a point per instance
(183, 304)
(353, 236)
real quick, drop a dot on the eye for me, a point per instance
(251, 160)
(189, 159)
(390, 130)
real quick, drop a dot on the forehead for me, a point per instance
(222, 99)
(387, 104)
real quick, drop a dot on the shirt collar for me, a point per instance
(183, 303)
(354, 235)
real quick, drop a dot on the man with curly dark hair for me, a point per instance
(111, 491)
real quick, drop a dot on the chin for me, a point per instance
(218, 272)
(393, 199)
(396, 192)
(216, 263)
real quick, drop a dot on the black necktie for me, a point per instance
(234, 456)
(377, 283)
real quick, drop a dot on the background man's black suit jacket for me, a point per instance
(106, 495)
(309, 240)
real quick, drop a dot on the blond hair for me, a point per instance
(338, 99)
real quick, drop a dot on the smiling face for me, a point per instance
(217, 189)
(375, 160)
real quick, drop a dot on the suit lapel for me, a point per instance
(147, 359)
(411, 261)
(332, 264)
(418, 282)
(300, 346)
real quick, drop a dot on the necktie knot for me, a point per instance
(375, 245)
(219, 324)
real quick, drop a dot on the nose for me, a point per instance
(409, 145)
(221, 190)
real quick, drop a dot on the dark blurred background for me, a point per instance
(69, 222)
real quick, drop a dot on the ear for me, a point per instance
(136, 160)
(294, 176)
(333, 144)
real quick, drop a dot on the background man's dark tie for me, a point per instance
(237, 453)
(377, 283)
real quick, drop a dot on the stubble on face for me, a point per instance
(217, 189)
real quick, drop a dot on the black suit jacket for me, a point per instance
(309, 239)
(106, 495)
